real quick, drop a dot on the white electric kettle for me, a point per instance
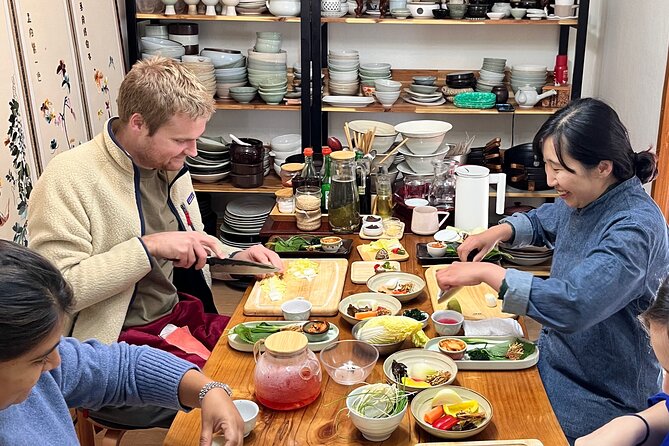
(472, 196)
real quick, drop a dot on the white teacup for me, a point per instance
(249, 412)
(425, 220)
(296, 310)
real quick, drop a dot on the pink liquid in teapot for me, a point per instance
(287, 392)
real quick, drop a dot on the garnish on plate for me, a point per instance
(385, 266)
(396, 287)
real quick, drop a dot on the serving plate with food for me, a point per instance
(361, 271)
(375, 228)
(489, 352)
(243, 336)
(309, 246)
(416, 371)
(403, 286)
(361, 306)
(437, 253)
(451, 412)
(383, 249)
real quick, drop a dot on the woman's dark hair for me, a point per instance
(658, 311)
(590, 131)
(34, 297)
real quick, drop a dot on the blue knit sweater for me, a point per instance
(91, 375)
(595, 359)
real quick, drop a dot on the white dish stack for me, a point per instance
(343, 68)
(203, 69)
(334, 8)
(284, 146)
(532, 75)
(425, 144)
(491, 74)
(157, 46)
(243, 219)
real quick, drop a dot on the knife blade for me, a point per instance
(236, 266)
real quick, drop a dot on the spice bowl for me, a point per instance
(331, 244)
(372, 229)
(452, 347)
(447, 322)
(316, 330)
(436, 249)
(349, 361)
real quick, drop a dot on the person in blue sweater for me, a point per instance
(651, 426)
(611, 251)
(43, 374)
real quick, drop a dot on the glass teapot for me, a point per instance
(288, 375)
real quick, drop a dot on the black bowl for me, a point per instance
(477, 11)
(440, 13)
(299, 158)
(460, 76)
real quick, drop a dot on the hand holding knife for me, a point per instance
(451, 291)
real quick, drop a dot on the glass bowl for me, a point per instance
(349, 362)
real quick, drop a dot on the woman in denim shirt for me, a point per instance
(650, 427)
(610, 253)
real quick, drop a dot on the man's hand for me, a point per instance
(260, 254)
(184, 248)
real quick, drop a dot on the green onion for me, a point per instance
(379, 401)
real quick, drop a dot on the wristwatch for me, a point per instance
(213, 385)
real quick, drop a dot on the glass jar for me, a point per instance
(344, 209)
(308, 208)
(442, 190)
(288, 172)
(285, 201)
(288, 375)
(384, 195)
(415, 186)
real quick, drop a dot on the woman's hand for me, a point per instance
(467, 274)
(219, 415)
(484, 242)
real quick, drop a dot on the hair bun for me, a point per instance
(645, 166)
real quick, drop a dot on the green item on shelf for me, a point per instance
(475, 99)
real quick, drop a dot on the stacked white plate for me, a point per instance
(527, 256)
(369, 72)
(426, 99)
(348, 101)
(267, 66)
(157, 46)
(251, 7)
(536, 14)
(343, 71)
(491, 74)
(532, 75)
(203, 68)
(244, 217)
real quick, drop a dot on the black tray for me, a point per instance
(426, 259)
(344, 249)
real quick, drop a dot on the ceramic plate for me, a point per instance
(441, 101)
(468, 364)
(236, 343)
(422, 403)
(250, 206)
(411, 357)
(378, 280)
(405, 169)
(348, 101)
(368, 299)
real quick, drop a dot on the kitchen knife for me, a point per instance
(234, 266)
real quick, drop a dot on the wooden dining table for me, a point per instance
(521, 409)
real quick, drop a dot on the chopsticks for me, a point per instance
(394, 150)
(462, 147)
(362, 141)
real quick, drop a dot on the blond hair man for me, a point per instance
(118, 216)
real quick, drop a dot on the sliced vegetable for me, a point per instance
(446, 397)
(445, 423)
(470, 406)
(391, 329)
(366, 314)
(415, 383)
(379, 401)
(433, 415)
(293, 244)
(416, 314)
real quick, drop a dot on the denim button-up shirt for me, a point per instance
(595, 359)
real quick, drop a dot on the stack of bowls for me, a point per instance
(227, 78)
(273, 89)
(243, 95)
(284, 146)
(212, 162)
(267, 64)
(243, 219)
(267, 42)
(157, 46)
(156, 30)
(203, 69)
(343, 71)
(251, 7)
(334, 8)
(284, 8)
(222, 58)
(384, 134)
(491, 74)
(424, 92)
(425, 144)
(532, 75)
(387, 91)
(370, 72)
(527, 256)
(461, 79)
(536, 14)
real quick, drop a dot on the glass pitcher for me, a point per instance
(288, 375)
(344, 210)
(442, 190)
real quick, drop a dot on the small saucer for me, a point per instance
(446, 235)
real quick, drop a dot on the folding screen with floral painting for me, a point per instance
(17, 164)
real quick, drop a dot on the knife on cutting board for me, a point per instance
(242, 267)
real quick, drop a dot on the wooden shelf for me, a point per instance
(271, 184)
(512, 192)
(219, 18)
(446, 22)
(256, 104)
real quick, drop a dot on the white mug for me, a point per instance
(425, 220)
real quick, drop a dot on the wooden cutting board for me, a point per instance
(485, 443)
(361, 271)
(323, 291)
(471, 298)
(369, 255)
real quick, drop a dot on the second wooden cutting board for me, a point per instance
(471, 298)
(323, 291)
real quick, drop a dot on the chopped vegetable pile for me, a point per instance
(366, 311)
(451, 413)
(379, 401)
(385, 266)
(294, 244)
(418, 375)
(416, 314)
(489, 351)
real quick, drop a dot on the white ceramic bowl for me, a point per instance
(156, 43)
(425, 145)
(422, 9)
(447, 329)
(495, 15)
(222, 57)
(249, 412)
(435, 251)
(385, 134)
(284, 8)
(379, 280)
(423, 128)
(296, 310)
(286, 143)
(373, 429)
(372, 229)
(209, 177)
(422, 164)
(368, 299)
(387, 85)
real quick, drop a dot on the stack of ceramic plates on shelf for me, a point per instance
(223, 58)
(491, 74)
(251, 7)
(527, 256)
(267, 62)
(425, 143)
(369, 72)
(157, 46)
(244, 217)
(212, 162)
(424, 93)
(532, 75)
(343, 71)
(536, 14)
(203, 69)
(227, 78)
(266, 161)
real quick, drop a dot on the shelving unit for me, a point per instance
(218, 18)
(464, 22)
(271, 184)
